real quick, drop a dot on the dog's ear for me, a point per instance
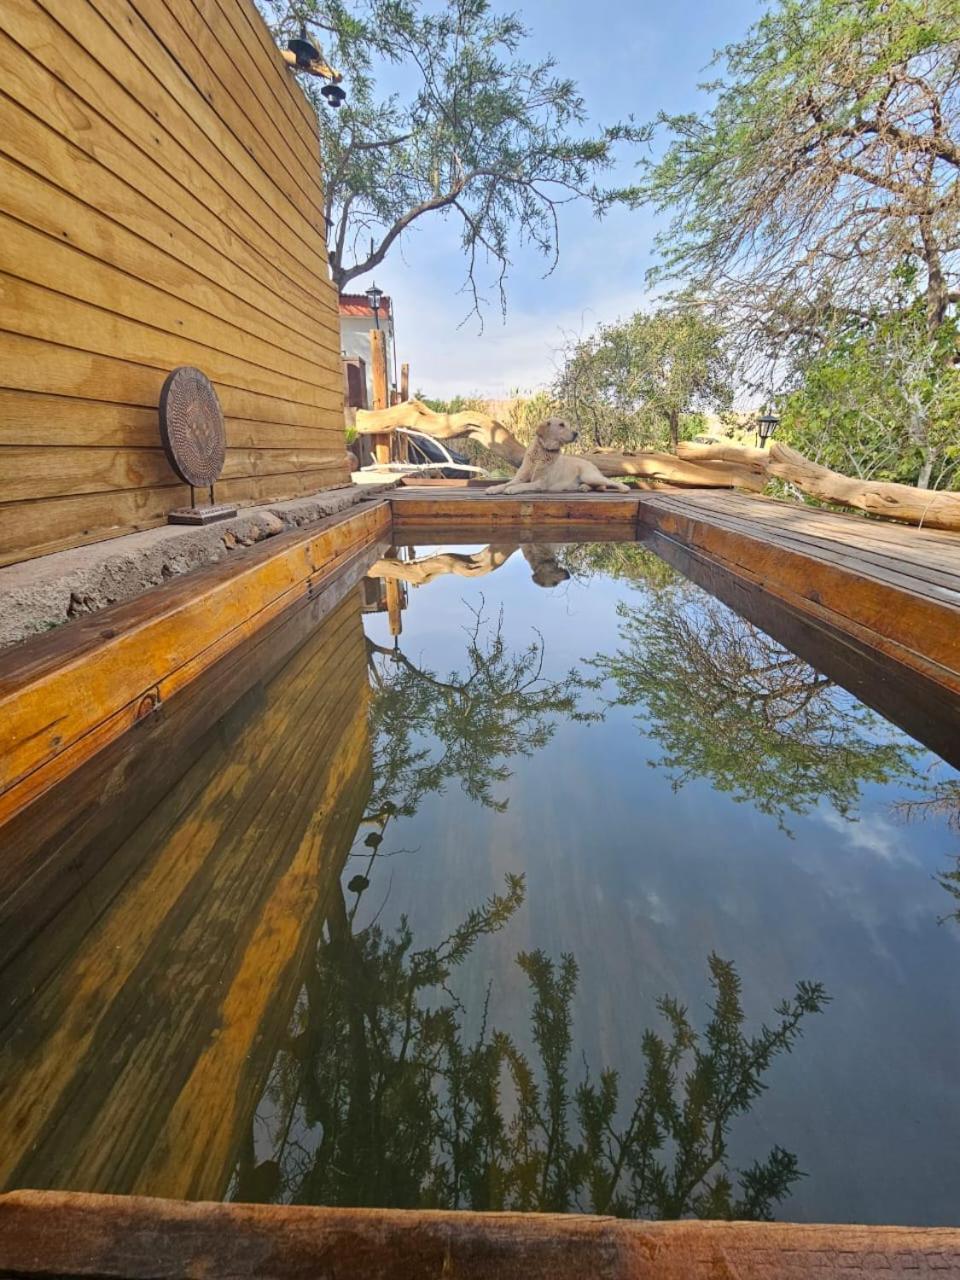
(543, 428)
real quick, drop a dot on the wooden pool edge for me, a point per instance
(68, 694)
(919, 633)
(69, 1234)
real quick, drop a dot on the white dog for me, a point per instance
(544, 469)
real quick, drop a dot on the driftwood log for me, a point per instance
(930, 508)
(419, 572)
(503, 444)
(702, 466)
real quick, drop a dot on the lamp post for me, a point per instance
(375, 297)
(767, 424)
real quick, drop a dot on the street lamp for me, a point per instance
(767, 424)
(375, 297)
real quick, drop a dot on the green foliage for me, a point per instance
(829, 157)
(635, 384)
(881, 401)
(445, 115)
(393, 1105)
(781, 736)
(467, 725)
(627, 561)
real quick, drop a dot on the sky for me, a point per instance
(629, 58)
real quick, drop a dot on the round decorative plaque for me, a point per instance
(191, 426)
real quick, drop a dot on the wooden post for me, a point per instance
(404, 381)
(381, 397)
(394, 606)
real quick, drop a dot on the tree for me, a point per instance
(634, 382)
(782, 736)
(378, 1098)
(468, 724)
(881, 401)
(471, 131)
(830, 156)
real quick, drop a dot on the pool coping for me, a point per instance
(72, 1234)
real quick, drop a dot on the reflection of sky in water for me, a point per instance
(640, 882)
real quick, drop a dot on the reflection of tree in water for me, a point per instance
(378, 1097)
(727, 703)
(467, 724)
(939, 799)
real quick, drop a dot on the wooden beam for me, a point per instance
(381, 393)
(404, 381)
(71, 1235)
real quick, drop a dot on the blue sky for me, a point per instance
(627, 58)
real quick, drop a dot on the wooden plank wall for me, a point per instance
(160, 204)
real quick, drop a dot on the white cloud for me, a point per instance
(871, 833)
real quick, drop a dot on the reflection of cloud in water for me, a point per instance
(871, 833)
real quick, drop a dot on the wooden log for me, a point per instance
(414, 414)
(928, 508)
(71, 1234)
(378, 367)
(738, 453)
(493, 435)
(420, 572)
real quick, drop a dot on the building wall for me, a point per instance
(355, 341)
(160, 204)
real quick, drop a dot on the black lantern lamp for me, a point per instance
(375, 298)
(767, 424)
(333, 95)
(305, 52)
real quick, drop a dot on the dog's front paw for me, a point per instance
(496, 488)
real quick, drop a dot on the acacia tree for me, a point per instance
(783, 736)
(378, 1097)
(830, 156)
(471, 130)
(633, 382)
(882, 401)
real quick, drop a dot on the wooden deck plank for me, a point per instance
(119, 1236)
(65, 696)
(908, 572)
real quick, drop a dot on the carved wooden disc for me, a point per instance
(191, 426)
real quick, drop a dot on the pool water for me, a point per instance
(525, 877)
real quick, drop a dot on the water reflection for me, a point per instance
(726, 702)
(215, 988)
(379, 1097)
(467, 723)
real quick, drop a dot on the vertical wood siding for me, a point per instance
(160, 204)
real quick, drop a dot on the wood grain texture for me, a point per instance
(118, 1236)
(191, 932)
(66, 695)
(160, 204)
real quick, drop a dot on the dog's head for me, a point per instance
(550, 574)
(554, 433)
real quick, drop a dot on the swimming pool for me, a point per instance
(480, 885)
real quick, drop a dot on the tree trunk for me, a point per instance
(673, 417)
(937, 294)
